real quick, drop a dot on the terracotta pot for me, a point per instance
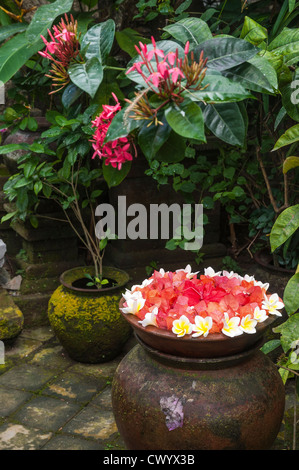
(209, 401)
(88, 322)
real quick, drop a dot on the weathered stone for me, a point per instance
(14, 283)
(18, 437)
(72, 443)
(10, 400)
(21, 348)
(46, 413)
(11, 317)
(46, 270)
(34, 308)
(52, 357)
(92, 423)
(26, 377)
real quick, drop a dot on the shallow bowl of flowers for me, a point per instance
(211, 315)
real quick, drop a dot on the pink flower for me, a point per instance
(186, 50)
(175, 73)
(171, 57)
(154, 51)
(154, 78)
(115, 152)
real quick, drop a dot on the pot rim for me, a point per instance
(87, 269)
(217, 343)
(258, 260)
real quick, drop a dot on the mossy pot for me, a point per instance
(88, 322)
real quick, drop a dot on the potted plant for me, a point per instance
(197, 379)
(60, 167)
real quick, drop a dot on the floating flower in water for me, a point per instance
(188, 303)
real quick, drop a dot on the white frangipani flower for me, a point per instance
(128, 295)
(230, 274)
(262, 285)
(144, 283)
(248, 278)
(231, 326)
(182, 326)
(260, 315)
(150, 318)
(210, 272)
(188, 272)
(248, 324)
(202, 326)
(133, 305)
(272, 304)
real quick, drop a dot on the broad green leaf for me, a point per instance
(221, 89)
(224, 53)
(121, 125)
(173, 150)
(290, 96)
(252, 76)
(194, 30)
(285, 225)
(253, 32)
(14, 54)
(291, 295)
(44, 17)
(270, 346)
(70, 94)
(113, 176)
(12, 147)
(290, 163)
(127, 38)
(153, 137)
(286, 43)
(289, 331)
(11, 29)
(87, 76)
(99, 40)
(289, 137)
(186, 120)
(226, 122)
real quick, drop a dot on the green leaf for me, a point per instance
(127, 38)
(221, 89)
(285, 225)
(121, 127)
(32, 124)
(11, 29)
(113, 176)
(270, 346)
(289, 137)
(253, 32)
(194, 30)
(99, 40)
(224, 53)
(8, 216)
(15, 53)
(226, 122)
(257, 75)
(44, 17)
(153, 137)
(286, 43)
(186, 120)
(12, 147)
(70, 94)
(290, 163)
(289, 331)
(291, 295)
(87, 76)
(173, 150)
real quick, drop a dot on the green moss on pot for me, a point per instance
(11, 318)
(89, 324)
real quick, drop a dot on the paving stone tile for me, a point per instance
(71, 443)
(21, 348)
(92, 423)
(103, 399)
(52, 356)
(46, 413)
(19, 437)
(42, 333)
(26, 377)
(10, 400)
(106, 369)
(78, 387)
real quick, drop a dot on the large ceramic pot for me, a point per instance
(204, 394)
(88, 322)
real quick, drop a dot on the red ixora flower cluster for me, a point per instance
(62, 50)
(115, 152)
(184, 303)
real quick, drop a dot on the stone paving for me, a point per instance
(50, 402)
